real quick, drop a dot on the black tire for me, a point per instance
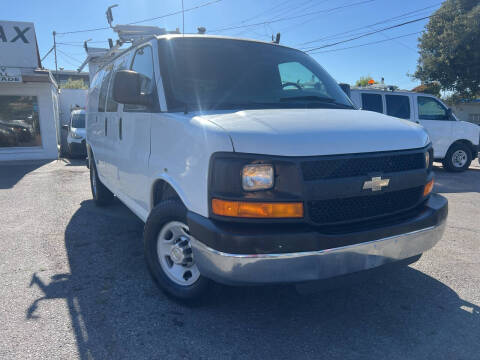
(449, 162)
(101, 195)
(166, 212)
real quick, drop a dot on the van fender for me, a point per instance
(173, 184)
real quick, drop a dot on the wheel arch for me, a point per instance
(164, 188)
(466, 142)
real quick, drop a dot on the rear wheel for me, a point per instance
(101, 195)
(458, 158)
(169, 254)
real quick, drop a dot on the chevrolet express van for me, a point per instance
(249, 165)
(455, 143)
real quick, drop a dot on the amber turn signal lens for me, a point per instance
(257, 209)
(428, 188)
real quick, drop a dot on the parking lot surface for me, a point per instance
(73, 284)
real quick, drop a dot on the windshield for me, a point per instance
(210, 73)
(78, 121)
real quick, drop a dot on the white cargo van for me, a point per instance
(455, 143)
(249, 165)
(76, 133)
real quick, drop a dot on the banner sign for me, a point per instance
(10, 75)
(18, 45)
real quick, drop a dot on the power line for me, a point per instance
(404, 15)
(291, 17)
(176, 12)
(368, 34)
(48, 52)
(365, 44)
(70, 57)
(144, 20)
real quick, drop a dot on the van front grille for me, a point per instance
(342, 167)
(362, 207)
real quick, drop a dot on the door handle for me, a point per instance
(120, 128)
(106, 126)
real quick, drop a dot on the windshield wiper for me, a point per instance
(316, 99)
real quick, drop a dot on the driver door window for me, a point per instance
(430, 109)
(143, 64)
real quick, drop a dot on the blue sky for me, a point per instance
(299, 22)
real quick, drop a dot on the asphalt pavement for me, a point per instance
(73, 284)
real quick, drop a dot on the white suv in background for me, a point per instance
(455, 143)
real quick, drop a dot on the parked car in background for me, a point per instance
(455, 143)
(249, 165)
(76, 134)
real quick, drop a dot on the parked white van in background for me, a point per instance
(76, 133)
(249, 165)
(455, 143)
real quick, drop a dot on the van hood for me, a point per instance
(306, 132)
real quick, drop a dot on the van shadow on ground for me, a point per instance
(117, 312)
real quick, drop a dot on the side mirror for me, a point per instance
(65, 126)
(345, 88)
(127, 89)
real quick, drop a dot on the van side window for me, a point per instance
(103, 91)
(372, 102)
(143, 64)
(431, 109)
(112, 105)
(398, 106)
(92, 100)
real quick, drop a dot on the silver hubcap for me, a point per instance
(175, 254)
(459, 158)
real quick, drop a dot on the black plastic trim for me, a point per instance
(237, 238)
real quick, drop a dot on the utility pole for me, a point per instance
(55, 51)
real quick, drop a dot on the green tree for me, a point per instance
(363, 81)
(450, 48)
(74, 84)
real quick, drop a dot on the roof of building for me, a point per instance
(69, 72)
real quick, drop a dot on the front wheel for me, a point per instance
(169, 254)
(458, 158)
(101, 195)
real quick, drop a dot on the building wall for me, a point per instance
(48, 118)
(468, 112)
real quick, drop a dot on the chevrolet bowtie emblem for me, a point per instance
(376, 184)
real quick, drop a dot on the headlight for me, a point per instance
(257, 177)
(75, 135)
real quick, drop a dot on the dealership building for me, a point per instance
(28, 97)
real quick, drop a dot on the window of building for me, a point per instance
(431, 109)
(398, 106)
(19, 121)
(372, 102)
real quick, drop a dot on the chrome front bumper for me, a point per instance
(312, 265)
